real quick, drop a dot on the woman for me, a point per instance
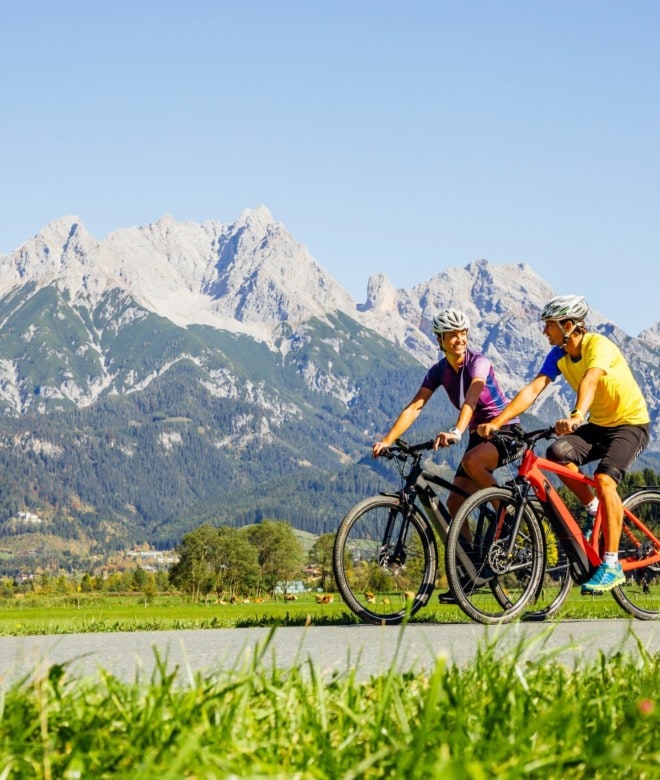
(469, 381)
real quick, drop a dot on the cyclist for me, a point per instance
(618, 427)
(471, 386)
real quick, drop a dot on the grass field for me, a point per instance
(497, 718)
(41, 614)
(501, 716)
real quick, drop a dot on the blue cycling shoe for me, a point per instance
(606, 578)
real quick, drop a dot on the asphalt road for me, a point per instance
(332, 650)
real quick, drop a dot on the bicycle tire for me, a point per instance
(557, 581)
(640, 596)
(385, 592)
(510, 584)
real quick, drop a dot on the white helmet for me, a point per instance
(565, 307)
(450, 319)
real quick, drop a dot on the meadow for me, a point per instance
(94, 612)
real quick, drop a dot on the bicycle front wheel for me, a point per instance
(640, 596)
(385, 560)
(502, 574)
(557, 582)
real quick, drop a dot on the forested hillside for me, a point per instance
(177, 374)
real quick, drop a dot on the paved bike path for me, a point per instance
(331, 649)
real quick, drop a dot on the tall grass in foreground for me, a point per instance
(501, 717)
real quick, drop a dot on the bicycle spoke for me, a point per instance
(640, 556)
(556, 583)
(384, 562)
(506, 571)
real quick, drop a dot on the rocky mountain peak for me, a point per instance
(651, 334)
(381, 295)
(257, 219)
(62, 248)
(251, 276)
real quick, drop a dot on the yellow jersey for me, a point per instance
(618, 399)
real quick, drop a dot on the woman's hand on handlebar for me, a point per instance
(445, 439)
(379, 447)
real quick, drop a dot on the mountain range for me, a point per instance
(177, 372)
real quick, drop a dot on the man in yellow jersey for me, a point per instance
(618, 427)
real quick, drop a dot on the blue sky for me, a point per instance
(396, 137)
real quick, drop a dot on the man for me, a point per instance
(470, 383)
(618, 427)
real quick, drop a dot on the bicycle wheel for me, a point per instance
(499, 586)
(384, 562)
(557, 581)
(640, 596)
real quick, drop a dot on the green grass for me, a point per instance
(42, 614)
(499, 717)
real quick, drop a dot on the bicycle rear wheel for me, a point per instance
(501, 585)
(384, 560)
(640, 596)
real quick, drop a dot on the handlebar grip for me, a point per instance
(426, 445)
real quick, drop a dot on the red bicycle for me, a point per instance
(491, 519)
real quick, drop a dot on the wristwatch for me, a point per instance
(455, 431)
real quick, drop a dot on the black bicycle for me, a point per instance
(385, 556)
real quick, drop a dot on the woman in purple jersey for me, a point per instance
(470, 382)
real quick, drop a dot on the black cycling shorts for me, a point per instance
(506, 450)
(616, 448)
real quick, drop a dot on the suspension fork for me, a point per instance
(520, 490)
(393, 551)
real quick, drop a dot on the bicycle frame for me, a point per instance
(584, 553)
(422, 483)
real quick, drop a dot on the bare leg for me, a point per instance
(581, 489)
(454, 500)
(478, 463)
(612, 507)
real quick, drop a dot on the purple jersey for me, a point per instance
(475, 366)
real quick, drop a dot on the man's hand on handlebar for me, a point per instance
(566, 425)
(485, 429)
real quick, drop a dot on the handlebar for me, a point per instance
(402, 451)
(528, 438)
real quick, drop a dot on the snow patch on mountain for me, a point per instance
(252, 277)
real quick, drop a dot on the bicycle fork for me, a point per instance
(504, 543)
(392, 553)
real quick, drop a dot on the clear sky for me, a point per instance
(398, 137)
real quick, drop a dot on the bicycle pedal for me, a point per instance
(534, 617)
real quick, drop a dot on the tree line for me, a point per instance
(253, 560)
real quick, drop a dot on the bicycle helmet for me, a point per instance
(450, 319)
(565, 307)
